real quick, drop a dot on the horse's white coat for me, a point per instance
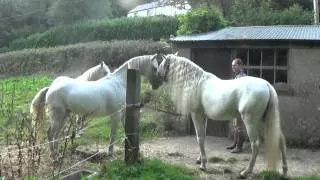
(104, 97)
(204, 95)
(38, 102)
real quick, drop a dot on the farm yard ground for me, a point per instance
(225, 165)
(183, 150)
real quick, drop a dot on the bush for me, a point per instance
(295, 15)
(255, 13)
(75, 58)
(201, 20)
(116, 29)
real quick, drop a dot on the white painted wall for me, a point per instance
(168, 10)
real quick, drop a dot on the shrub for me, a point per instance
(75, 58)
(201, 20)
(254, 13)
(105, 30)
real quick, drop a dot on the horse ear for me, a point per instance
(167, 63)
(176, 54)
(101, 63)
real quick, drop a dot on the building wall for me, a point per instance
(161, 10)
(300, 111)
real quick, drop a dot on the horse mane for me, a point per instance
(92, 73)
(133, 63)
(184, 81)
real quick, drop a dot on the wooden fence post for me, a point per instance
(132, 116)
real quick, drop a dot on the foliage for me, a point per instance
(295, 15)
(76, 57)
(147, 169)
(13, 24)
(70, 11)
(104, 30)
(261, 12)
(201, 20)
(20, 18)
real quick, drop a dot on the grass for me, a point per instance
(16, 94)
(147, 169)
(20, 90)
(271, 175)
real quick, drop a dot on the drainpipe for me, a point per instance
(316, 11)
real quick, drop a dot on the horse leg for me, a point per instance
(253, 133)
(283, 154)
(115, 118)
(57, 116)
(200, 123)
(80, 124)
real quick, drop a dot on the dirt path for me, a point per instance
(225, 165)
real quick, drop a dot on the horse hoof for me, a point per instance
(198, 161)
(242, 177)
(243, 174)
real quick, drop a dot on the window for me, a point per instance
(268, 63)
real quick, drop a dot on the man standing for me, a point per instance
(239, 132)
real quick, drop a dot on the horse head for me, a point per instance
(161, 67)
(154, 79)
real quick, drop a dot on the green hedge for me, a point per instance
(201, 20)
(146, 28)
(77, 57)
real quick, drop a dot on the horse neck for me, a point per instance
(184, 81)
(90, 75)
(140, 63)
(120, 74)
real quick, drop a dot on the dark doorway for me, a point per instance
(218, 62)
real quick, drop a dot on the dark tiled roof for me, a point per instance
(280, 32)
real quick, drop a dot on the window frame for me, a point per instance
(282, 88)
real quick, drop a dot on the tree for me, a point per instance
(21, 17)
(70, 11)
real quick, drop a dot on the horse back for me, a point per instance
(225, 99)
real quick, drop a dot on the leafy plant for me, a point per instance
(201, 20)
(101, 30)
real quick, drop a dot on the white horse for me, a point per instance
(37, 103)
(204, 95)
(103, 97)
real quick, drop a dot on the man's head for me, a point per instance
(237, 65)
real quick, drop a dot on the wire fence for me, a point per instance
(26, 148)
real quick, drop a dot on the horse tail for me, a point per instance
(37, 112)
(272, 130)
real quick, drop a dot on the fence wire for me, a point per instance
(17, 149)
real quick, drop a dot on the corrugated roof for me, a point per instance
(280, 32)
